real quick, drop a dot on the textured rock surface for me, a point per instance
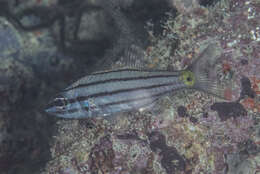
(188, 132)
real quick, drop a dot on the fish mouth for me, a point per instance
(49, 108)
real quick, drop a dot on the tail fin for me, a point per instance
(204, 69)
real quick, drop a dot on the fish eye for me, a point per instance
(189, 79)
(60, 102)
(57, 102)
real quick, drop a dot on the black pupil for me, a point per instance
(188, 79)
(60, 102)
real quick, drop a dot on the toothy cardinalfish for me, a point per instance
(128, 89)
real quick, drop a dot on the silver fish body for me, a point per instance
(106, 93)
(109, 92)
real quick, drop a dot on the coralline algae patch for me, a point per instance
(205, 143)
(133, 150)
(179, 146)
(251, 104)
(256, 85)
(250, 90)
(191, 141)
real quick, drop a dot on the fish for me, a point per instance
(105, 93)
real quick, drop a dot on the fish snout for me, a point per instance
(57, 106)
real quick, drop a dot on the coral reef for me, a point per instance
(192, 132)
(186, 132)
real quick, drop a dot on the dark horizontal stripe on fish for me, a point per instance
(119, 102)
(128, 69)
(119, 79)
(67, 112)
(101, 94)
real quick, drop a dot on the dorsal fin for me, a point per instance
(133, 57)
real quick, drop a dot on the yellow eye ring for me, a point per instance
(188, 78)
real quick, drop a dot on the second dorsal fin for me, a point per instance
(133, 57)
